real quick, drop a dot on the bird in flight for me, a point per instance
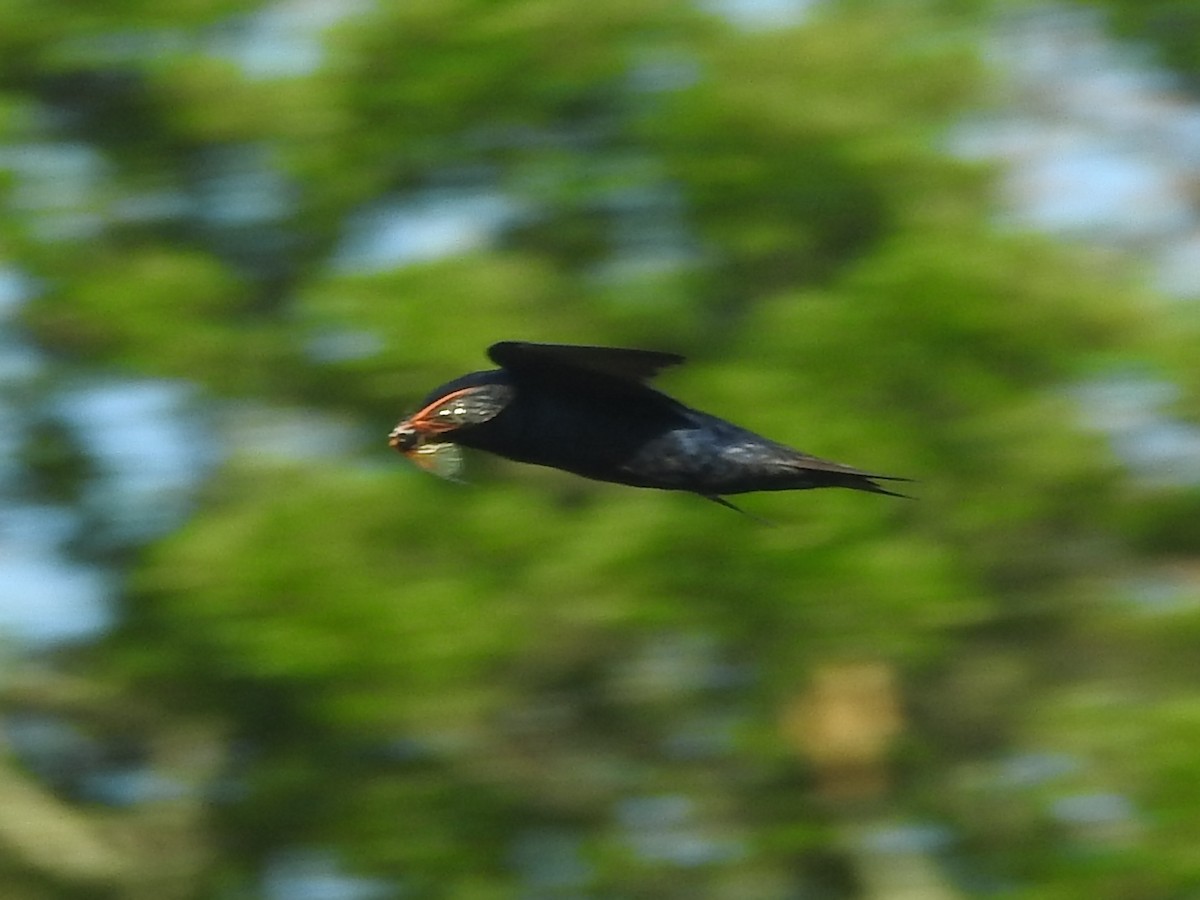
(591, 411)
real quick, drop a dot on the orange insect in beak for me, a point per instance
(437, 458)
(445, 414)
(420, 436)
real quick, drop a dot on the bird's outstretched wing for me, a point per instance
(556, 360)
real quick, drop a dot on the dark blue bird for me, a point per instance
(590, 410)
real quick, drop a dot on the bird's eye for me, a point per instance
(404, 439)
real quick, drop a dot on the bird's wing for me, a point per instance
(556, 360)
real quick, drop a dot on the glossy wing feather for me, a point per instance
(548, 360)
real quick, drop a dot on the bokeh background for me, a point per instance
(247, 653)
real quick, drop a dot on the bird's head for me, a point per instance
(404, 438)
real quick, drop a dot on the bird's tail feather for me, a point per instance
(862, 483)
(825, 473)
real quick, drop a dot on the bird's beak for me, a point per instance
(406, 438)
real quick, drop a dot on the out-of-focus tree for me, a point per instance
(1169, 32)
(1171, 27)
(538, 681)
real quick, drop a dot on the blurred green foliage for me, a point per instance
(423, 675)
(1169, 28)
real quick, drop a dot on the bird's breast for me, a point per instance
(590, 435)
